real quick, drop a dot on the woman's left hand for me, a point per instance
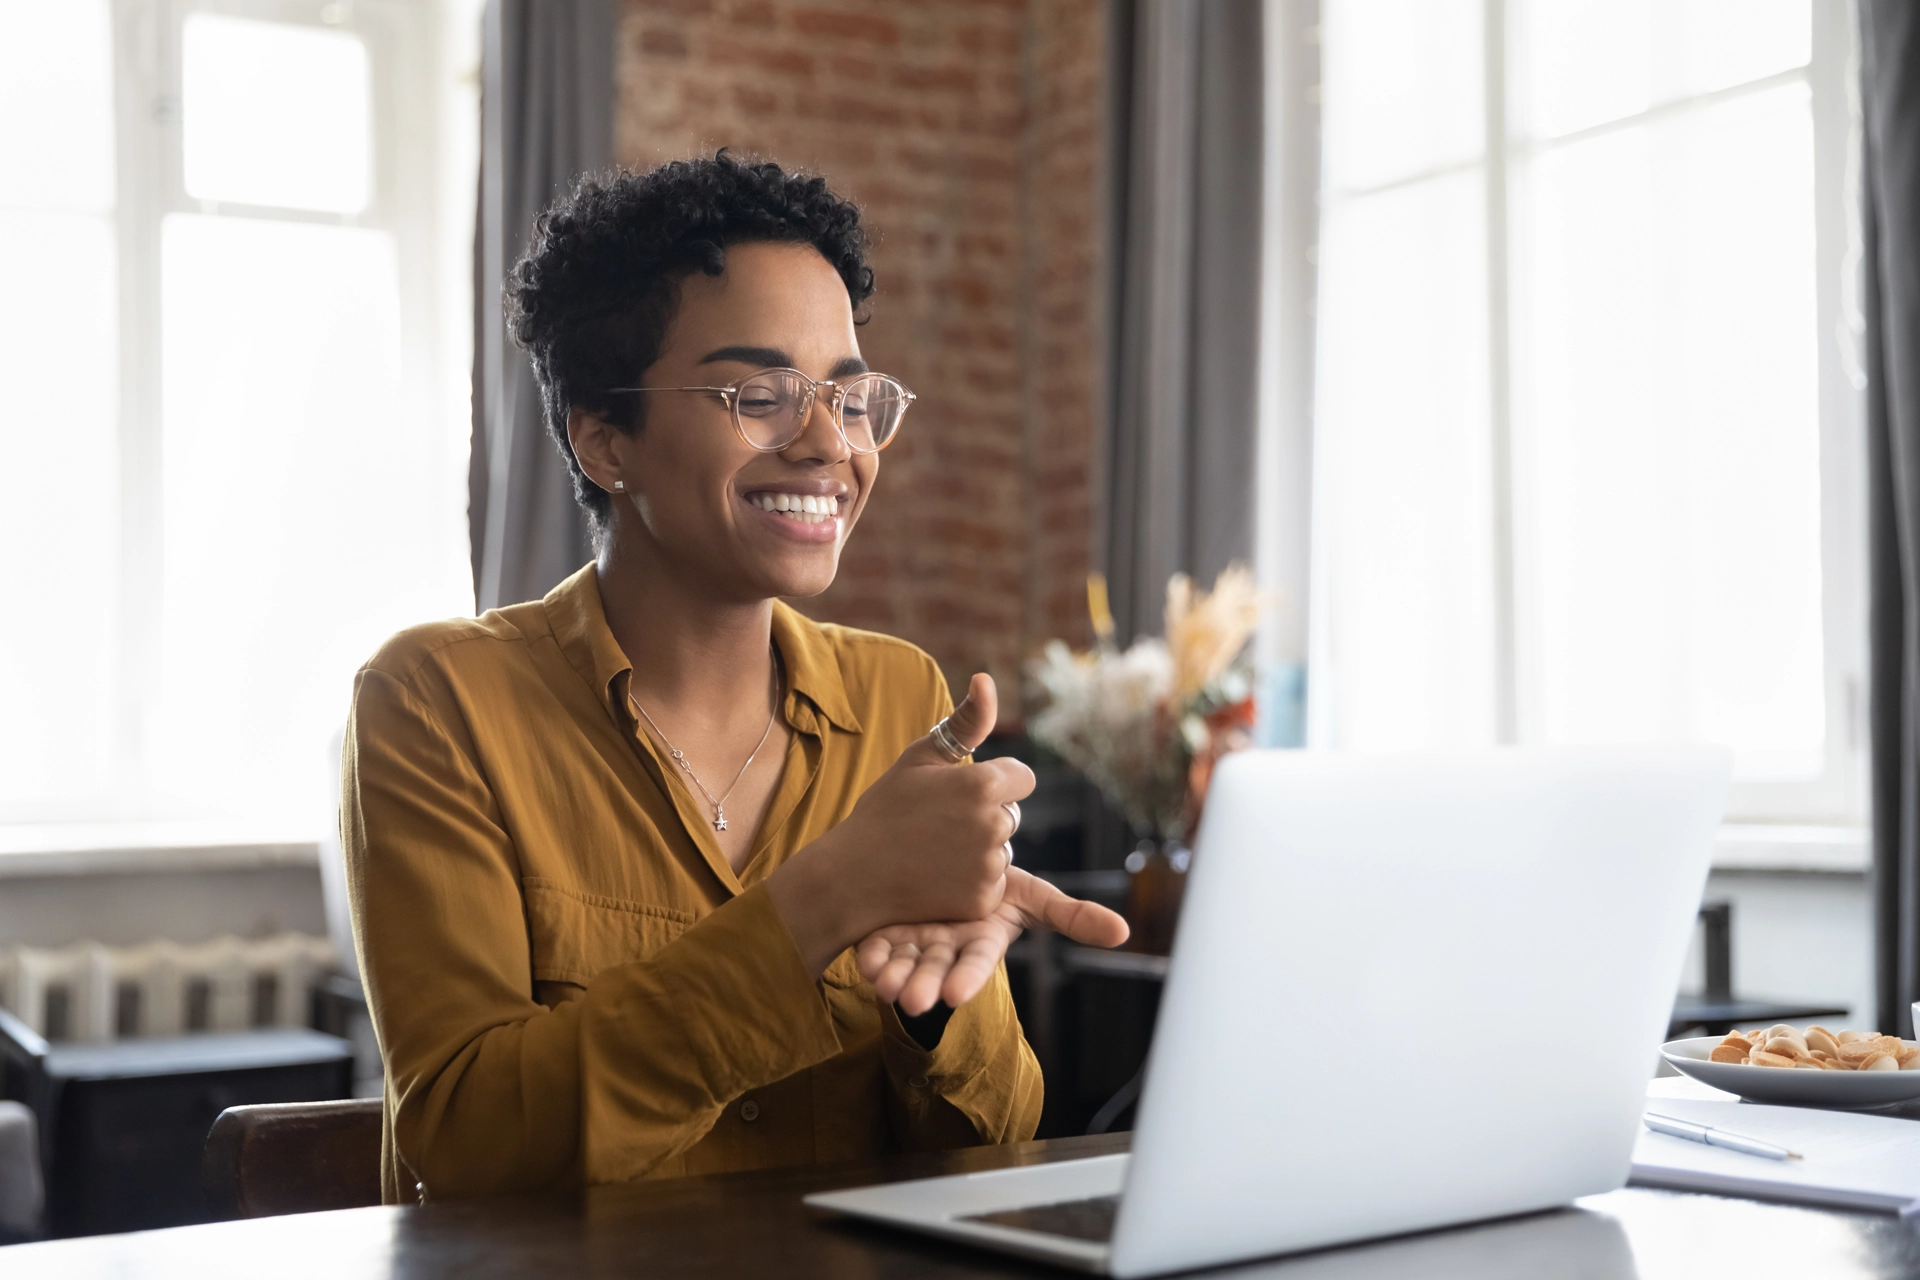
(916, 965)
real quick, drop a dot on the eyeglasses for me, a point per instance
(770, 408)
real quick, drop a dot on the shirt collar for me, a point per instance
(579, 622)
(813, 669)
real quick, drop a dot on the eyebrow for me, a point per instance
(765, 357)
(775, 358)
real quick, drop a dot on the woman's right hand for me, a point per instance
(927, 842)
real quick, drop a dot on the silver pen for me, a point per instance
(1716, 1137)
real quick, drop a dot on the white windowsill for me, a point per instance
(1793, 849)
(54, 849)
(75, 849)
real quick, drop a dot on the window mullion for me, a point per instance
(1499, 373)
(145, 114)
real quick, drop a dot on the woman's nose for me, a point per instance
(820, 438)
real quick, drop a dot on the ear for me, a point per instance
(599, 446)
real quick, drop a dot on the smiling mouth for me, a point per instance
(801, 508)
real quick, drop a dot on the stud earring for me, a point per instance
(619, 486)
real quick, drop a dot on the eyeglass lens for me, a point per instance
(772, 408)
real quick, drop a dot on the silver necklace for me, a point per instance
(719, 811)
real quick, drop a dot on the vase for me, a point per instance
(1156, 883)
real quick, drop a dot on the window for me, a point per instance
(233, 454)
(1588, 420)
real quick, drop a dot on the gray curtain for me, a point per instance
(1890, 109)
(1187, 115)
(546, 117)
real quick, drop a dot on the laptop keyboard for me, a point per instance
(1089, 1219)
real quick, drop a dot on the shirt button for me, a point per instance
(749, 1110)
(918, 1082)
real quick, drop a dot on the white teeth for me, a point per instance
(805, 509)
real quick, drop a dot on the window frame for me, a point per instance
(150, 177)
(419, 204)
(1838, 794)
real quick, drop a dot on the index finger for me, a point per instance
(1083, 921)
(1008, 779)
(971, 971)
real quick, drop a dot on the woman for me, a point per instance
(609, 851)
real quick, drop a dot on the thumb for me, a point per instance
(970, 722)
(977, 713)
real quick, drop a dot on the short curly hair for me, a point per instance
(592, 299)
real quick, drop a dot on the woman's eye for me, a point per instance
(758, 406)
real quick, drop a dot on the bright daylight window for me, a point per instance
(233, 447)
(1587, 425)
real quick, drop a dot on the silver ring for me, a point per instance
(1008, 846)
(949, 745)
(1013, 810)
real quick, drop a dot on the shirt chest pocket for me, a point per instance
(576, 935)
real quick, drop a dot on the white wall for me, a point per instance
(1797, 935)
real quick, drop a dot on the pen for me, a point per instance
(1716, 1137)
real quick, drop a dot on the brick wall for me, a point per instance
(970, 132)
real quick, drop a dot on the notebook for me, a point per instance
(1850, 1159)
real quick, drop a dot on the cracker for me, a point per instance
(1817, 1048)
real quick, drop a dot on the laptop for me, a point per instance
(1408, 991)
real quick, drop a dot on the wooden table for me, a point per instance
(753, 1224)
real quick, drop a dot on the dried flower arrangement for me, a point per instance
(1147, 724)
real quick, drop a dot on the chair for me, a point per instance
(22, 1194)
(123, 1125)
(293, 1157)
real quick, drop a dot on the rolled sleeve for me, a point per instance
(659, 1066)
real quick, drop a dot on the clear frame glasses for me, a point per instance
(770, 407)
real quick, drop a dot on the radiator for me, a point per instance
(92, 993)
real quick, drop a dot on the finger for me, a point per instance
(1007, 779)
(923, 988)
(872, 955)
(1083, 921)
(894, 975)
(971, 971)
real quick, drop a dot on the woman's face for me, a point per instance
(694, 488)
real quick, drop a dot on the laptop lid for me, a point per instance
(1412, 990)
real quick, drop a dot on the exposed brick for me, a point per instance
(855, 72)
(755, 102)
(867, 27)
(920, 79)
(785, 63)
(753, 14)
(977, 39)
(970, 133)
(682, 9)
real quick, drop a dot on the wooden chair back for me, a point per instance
(293, 1157)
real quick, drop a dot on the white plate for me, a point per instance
(1849, 1090)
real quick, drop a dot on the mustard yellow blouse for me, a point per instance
(568, 981)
